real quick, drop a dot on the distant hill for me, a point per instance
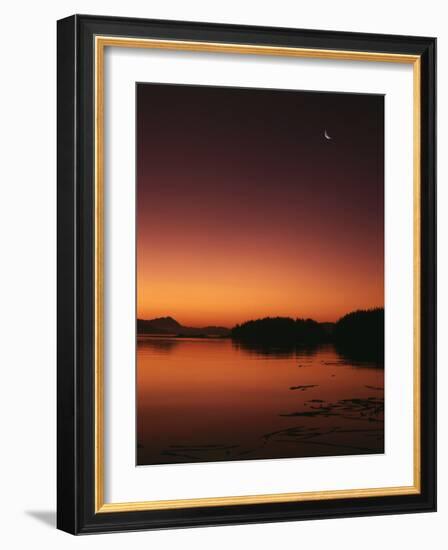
(164, 324)
(169, 326)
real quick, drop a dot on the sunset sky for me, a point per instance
(245, 210)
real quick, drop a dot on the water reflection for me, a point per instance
(362, 356)
(201, 400)
(161, 344)
(275, 350)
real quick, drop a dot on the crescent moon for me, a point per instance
(326, 135)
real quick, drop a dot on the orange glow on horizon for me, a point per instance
(217, 286)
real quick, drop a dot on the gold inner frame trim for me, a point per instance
(101, 42)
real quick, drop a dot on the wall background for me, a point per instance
(28, 281)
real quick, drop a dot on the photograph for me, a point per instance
(259, 273)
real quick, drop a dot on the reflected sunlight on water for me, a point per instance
(201, 400)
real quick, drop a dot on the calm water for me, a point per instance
(207, 400)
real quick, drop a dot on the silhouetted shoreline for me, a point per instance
(358, 335)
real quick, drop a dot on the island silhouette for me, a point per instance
(358, 335)
(171, 327)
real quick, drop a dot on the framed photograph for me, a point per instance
(246, 274)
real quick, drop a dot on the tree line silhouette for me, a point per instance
(280, 329)
(359, 335)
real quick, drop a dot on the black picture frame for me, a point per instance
(76, 511)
